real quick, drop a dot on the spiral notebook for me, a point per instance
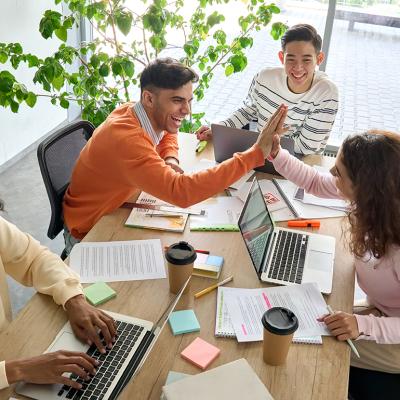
(224, 327)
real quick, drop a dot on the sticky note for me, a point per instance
(98, 293)
(175, 376)
(200, 353)
(184, 321)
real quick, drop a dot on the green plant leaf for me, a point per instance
(33, 61)
(278, 29)
(124, 22)
(229, 70)
(239, 62)
(14, 106)
(116, 68)
(31, 99)
(6, 81)
(3, 57)
(104, 70)
(94, 61)
(49, 23)
(61, 33)
(128, 67)
(58, 82)
(215, 19)
(64, 103)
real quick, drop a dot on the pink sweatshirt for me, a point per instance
(379, 279)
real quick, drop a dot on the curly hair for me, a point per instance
(372, 161)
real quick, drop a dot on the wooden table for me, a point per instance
(311, 371)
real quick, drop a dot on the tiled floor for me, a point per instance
(363, 63)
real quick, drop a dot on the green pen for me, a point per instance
(201, 146)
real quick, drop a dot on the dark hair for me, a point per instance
(166, 73)
(372, 161)
(302, 32)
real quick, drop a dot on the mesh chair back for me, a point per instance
(57, 155)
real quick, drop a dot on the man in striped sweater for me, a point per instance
(311, 97)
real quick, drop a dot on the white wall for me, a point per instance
(19, 22)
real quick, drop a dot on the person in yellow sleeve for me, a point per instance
(25, 260)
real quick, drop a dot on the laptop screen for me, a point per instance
(256, 225)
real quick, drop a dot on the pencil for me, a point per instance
(211, 288)
(349, 342)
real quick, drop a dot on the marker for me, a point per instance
(211, 288)
(349, 342)
(201, 146)
(304, 223)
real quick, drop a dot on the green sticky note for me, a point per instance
(184, 321)
(98, 293)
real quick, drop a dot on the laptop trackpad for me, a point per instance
(68, 341)
(319, 260)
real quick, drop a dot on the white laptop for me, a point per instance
(284, 256)
(135, 338)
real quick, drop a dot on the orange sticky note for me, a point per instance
(200, 353)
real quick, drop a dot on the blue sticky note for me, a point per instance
(184, 321)
(217, 261)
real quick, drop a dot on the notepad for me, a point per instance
(224, 326)
(184, 321)
(200, 353)
(208, 266)
(98, 293)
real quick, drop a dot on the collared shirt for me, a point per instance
(146, 124)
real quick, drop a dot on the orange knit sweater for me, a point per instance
(121, 159)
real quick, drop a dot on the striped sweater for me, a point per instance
(310, 114)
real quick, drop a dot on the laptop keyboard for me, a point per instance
(257, 248)
(110, 364)
(289, 256)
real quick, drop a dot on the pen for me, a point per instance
(202, 251)
(305, 223)
(211, 288)
(201, 146)
(349, 342)
(197, 251)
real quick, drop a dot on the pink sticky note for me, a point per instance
(200, 353)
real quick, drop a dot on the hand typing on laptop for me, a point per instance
(86, 320)
(50, 367)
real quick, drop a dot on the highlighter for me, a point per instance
(201, 146)
(305, 223)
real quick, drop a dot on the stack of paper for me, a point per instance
(118, 261)
(239, 311)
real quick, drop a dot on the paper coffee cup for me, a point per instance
(180, 258)
(279, 327)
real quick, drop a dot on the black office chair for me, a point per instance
(57, 155)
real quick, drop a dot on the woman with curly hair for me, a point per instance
(367, 173)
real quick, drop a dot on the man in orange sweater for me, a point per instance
(136, 149)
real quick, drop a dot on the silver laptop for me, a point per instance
(135, 338)
(228, 140)
(284, 256)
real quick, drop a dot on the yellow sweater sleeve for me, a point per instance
(3, 376)
(31, 264)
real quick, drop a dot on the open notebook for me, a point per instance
(224, 327)
(150, 219)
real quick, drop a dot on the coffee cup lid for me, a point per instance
(181, 253)
(280, 320)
